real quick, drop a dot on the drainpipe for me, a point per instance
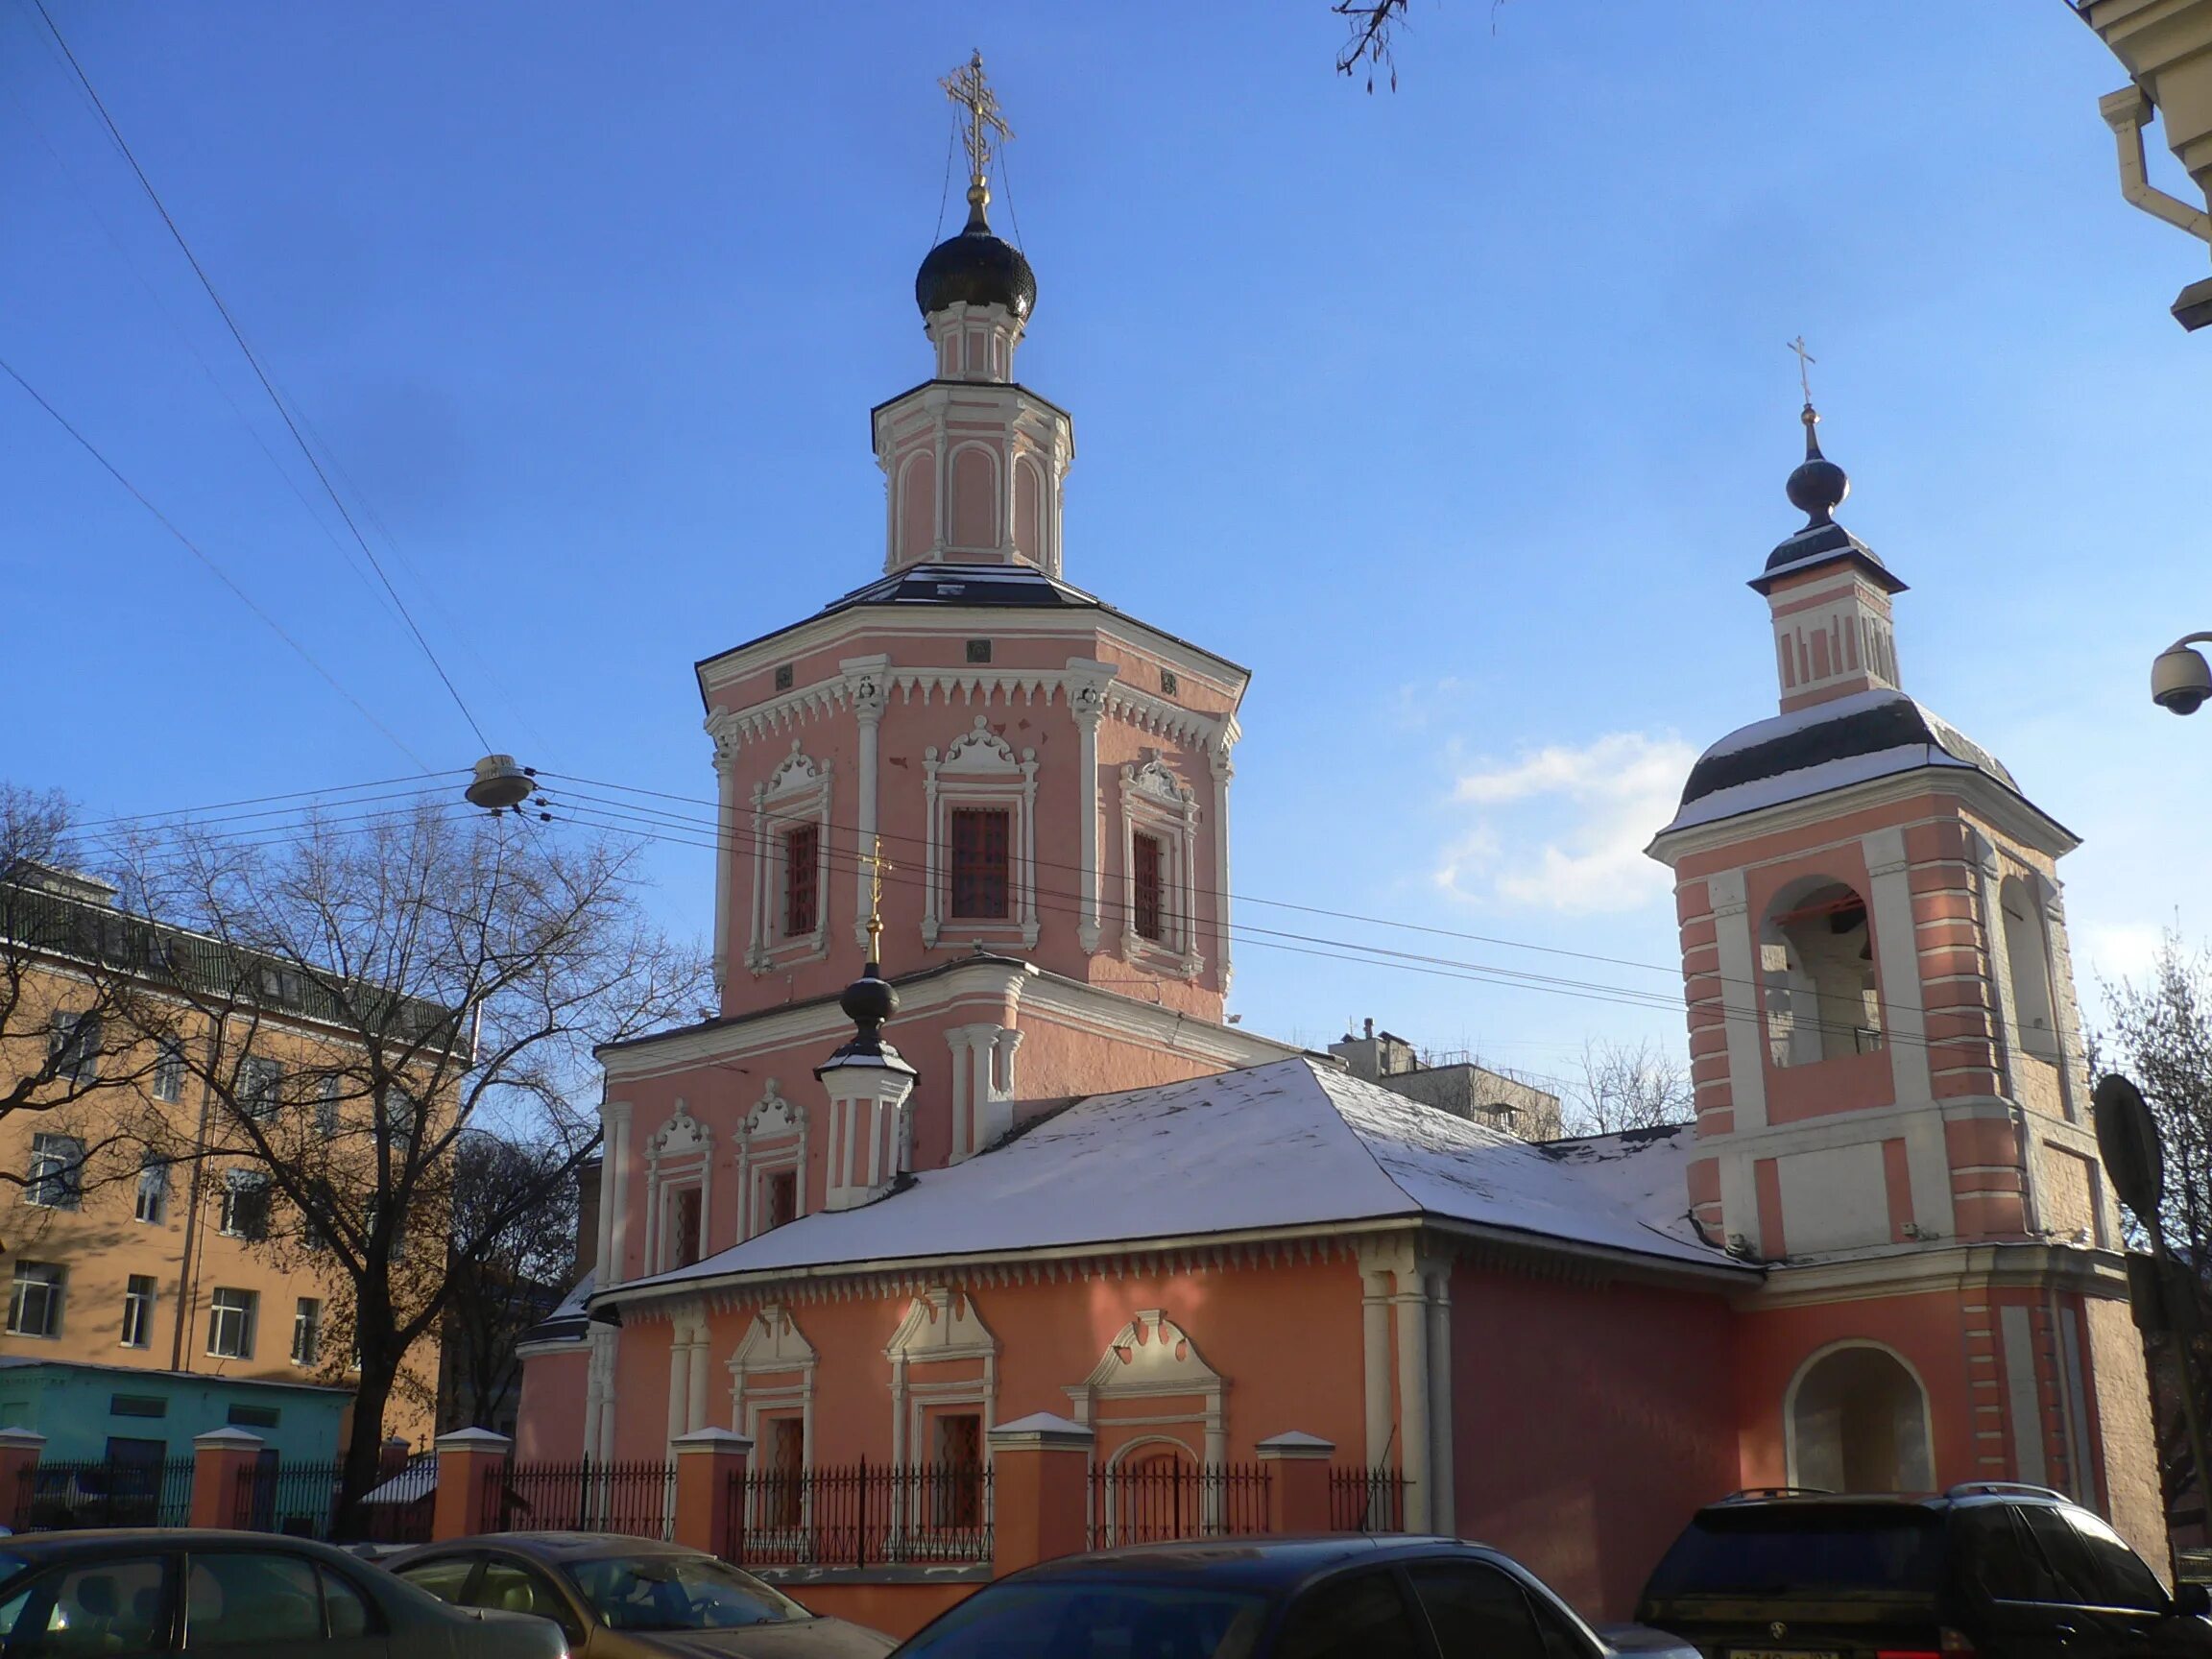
(187, 1269)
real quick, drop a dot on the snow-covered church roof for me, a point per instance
(1848, 740)
(1294, 1144)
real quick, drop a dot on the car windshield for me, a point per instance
(1776, 1551)
(678, 1593)
(1090, 1621)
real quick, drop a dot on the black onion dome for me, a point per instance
(869, 1000)
(976, 268)
(1818, 486)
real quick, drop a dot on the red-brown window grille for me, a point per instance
(780, 1198)
(685, 1222)
(979, 862)
(802, 880)
(1144, 869)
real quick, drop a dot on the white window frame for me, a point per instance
(53, 1280)
(678, 1155)
(796, 793)
(235, 1312)
(260, 1086)
(979, 771)
(307, 1323)
(55, 1179)
(138, 1308)
(154, 1185)
(170, 1070)
(236, 1182)
(75, 1059)
(771, 1139)
(1156, 802)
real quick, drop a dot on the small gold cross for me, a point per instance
(1803, 358)
(875, 864)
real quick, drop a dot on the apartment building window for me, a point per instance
(230, 1324)
(979, 862)
(802, 880)
(151, 1203)
(34, 1305)
(139, 1311)
(56, 1179)
(307, 1330)
(169, 1070)
(245, 1204)
(326, 1106)
(260, 1085)
(73, 1047)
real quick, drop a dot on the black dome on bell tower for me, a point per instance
(976, 268)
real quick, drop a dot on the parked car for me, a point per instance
(181, 1591)
(2001, 1571)
(616, 1598)
(1329, 1597)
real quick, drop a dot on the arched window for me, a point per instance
(1816, 967)
(1858, 1422)
(2027, 960)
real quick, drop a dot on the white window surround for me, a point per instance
(773, 1347)
(231, 1314)
(1155, 802)
(771, 1140)
(796, 793)
(678, 1156)
(941, 1327)
(1150, 1359)
(979, 770)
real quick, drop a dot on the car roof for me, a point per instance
(41, 1546)
(1805, 1501)
(556, 1546)
(1257, 1563)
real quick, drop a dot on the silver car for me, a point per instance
(620, 1597)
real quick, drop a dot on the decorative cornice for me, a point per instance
(2013, 814)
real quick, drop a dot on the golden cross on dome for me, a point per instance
(1803, 358)
(966, 88)
(875, 864)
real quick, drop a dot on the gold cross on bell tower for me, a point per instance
(966, 88)
(1804, 357)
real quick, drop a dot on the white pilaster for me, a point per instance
(1224, 772)
(1438, 1278)
(1904, 1024)
(1410, 1303)
(1739, 1012)
(1087, 683)
(1375, 1361)
(725, 851)
(615, 1264)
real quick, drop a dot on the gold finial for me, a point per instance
(966, 88)
(875, 864)
(1803, 358)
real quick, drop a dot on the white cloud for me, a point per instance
(1564, 828)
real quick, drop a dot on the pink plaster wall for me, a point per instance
(1591, 1421)
(549, 1418)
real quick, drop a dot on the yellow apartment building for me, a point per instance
(152, 1290)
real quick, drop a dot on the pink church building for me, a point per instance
(1027, 1167)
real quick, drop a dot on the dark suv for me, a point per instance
(2002, 1571)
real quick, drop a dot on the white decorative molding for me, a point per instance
(678, 1158)
(773, 1346)
(1153, 1358)
(771, 1140)
(941, 1327)
(796, 793)
(682, 1136)
(979, 769)
(1156, 802)
(775, 1115)
(982, 1077)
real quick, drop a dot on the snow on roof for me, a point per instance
(1292, 1143)
(1638, 1169)
(1786, 725)
(1808, 780)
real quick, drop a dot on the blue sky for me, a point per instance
(1460, 415)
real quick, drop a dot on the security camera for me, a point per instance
(2180, 682)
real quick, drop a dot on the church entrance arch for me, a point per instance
(1856, 1419)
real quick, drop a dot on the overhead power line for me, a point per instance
(259, 373)
(216, 571)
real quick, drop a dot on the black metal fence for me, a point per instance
(104, 1492)
(300, 1500)
(1368, 1500)
(1157, 1500)
(634, 1498)
(861, 1515)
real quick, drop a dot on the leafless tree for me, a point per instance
(2159, 1034)
(82, 1026)
(1627, 1086)
(527, 1263)
(456, 970)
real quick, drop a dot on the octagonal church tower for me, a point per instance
(1006, 797)
(1892, 1105)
